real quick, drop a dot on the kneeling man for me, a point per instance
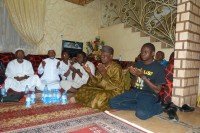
(19, 73)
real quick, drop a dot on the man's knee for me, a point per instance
(142, 115)
(112, 102)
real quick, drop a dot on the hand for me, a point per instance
(43, 63)
(135, 71)
(67, 73)
(17, 78)
(78, 71)
(58, 64)
(87, 68)
(102, 69)
(73, 75)
(26, 77)
(73, 69)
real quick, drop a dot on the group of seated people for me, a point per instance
(101, 89)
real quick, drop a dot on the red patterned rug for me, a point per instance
(70, 118)
(15, 115)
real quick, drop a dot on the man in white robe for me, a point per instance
(79, 76)
(64, 66)
(19, 73)
(50, 72)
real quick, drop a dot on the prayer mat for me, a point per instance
(94, 123)
(15, 115)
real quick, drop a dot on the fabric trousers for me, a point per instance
(145, 103)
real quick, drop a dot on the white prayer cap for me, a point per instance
(18, 49)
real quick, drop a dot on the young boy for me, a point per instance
(149, 76)
(160, 57)
(64, 65)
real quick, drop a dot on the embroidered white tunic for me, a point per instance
(50, 74)
(14, 69)
(63, 68)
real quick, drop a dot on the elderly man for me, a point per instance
(50, 72)
(106, 84)
(19, 73)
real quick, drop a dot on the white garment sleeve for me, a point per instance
(92, 68)
(40, 69)
(29, 70)
(10, 70)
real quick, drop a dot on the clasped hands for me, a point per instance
(21, 78)
(136, 72)
(101, 68)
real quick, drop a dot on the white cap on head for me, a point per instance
(18, 49)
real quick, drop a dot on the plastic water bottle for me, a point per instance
(28, 101)
(53, 96)
(26, 89)
(120, 57)
(3, 91)
(46, 89)
(50, 98)
(33, 98)
(64, 98)
(58, 96)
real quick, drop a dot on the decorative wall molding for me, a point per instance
(154, 17)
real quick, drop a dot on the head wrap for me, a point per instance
(107, 49)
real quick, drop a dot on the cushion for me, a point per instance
(6, 57)
(36, 60)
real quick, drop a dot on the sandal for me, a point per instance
(186, 108)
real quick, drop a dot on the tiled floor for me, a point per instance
(189, 122)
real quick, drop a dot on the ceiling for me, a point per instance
(80, 2)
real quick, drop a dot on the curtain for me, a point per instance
(27, 17)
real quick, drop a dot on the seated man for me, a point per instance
(64, 65)
(79, 76)
(2, 72)
(160, 57)
(106, 84)
(50, 72)
(19, 73)
(149, 76)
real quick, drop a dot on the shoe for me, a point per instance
(172, 114)
(186, 108)
(165, 107)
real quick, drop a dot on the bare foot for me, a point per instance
(72, 100)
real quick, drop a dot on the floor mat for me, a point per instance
(93, 123)
(15, 115)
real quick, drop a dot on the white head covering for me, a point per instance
(19, 49)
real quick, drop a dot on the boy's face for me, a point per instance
(80, 58)
(147, 54)
(159, 56)
(51, 54)
(65, 56)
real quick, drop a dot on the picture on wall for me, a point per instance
(72, 47)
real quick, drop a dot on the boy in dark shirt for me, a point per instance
(149, 76)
